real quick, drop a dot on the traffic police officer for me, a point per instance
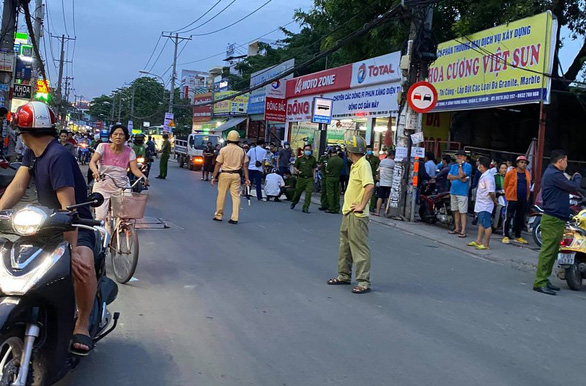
(304, 167)
(334, 169)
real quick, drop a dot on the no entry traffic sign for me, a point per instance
(422, 97)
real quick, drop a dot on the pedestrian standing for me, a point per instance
(232, 160)
(354, 248)
(517, 189)
(165, 152)
(459, 175)
(334, 168)
(499, 181)
(284, 157)
(208, 162)
(374, 161)
(386, 169)
(555, 190)
(256, 154)
(484, 205)
(65, 143)
(304, 167)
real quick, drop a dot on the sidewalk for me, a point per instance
(517, 256)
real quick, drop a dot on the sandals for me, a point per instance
(462, 235)
(360, 290)
(337, 281)
(454, 232)
(81, 339)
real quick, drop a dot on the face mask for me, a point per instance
(307, 152)
(286, 146)
(369, 152)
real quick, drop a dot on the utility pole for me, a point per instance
(39, 15)
(132, 103)
(176, 40)
(7, 48)
(62, 61)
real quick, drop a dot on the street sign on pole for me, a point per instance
(422, 97)
(322, 110)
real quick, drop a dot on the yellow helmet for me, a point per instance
(233, 136)
(580, 219)
(356, 144)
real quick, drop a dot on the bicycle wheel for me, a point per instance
(124, 252)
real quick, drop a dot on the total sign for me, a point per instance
(382, 69)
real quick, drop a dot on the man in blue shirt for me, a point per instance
(59, 184)
(459, 176)
(555, 190)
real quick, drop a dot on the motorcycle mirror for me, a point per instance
(95, 199)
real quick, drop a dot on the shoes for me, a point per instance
(544, 290)
(233, 222)
(305, 210)
(217, 219)
(264, 199)
(293, 206)
(552, 287)
(322, 208)
(506, 240)
(521, 240)
(200, 178)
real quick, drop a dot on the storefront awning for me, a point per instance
(232, 122)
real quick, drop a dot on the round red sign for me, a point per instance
(422, 97)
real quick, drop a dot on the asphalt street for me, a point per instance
(248, 304)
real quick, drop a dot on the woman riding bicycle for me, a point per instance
(113, 159)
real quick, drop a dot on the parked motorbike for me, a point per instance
(536, 211)
(572, 255)
(83, 154)
(37, 302)
(434, 207)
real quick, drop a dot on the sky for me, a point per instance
(114, 38)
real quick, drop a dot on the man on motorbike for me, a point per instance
(59, 184)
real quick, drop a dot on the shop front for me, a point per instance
(364, 98)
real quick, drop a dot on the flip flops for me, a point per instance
(337, 281)
(81, 339)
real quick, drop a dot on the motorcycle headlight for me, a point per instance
(140, 160)
(28, 221)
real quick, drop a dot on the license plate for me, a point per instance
(566, 258)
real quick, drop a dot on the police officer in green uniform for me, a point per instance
(304, 167)
(334, 169)
(290, 184)
(321, 165)
(374, 161)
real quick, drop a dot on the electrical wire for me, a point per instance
(236, 22)
(199, 18)
(64, 19)
(212, 18)
(153, 53)
(74, 30)
(158, 57)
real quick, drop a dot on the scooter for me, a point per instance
(37, 302)
(571, 258)
(138, 185)
(84, 153)
(435, 207)
(536, 211)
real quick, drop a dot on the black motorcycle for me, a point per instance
(136, 183)
(37, 302)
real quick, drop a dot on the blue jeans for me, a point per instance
(256, 179)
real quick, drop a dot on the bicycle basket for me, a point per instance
(129, 205)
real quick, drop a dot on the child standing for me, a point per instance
(485, 202)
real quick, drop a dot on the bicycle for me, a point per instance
(125, 208)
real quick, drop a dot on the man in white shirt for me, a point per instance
(274, 185)
(385, 172)
(485, 202)
(256, 156)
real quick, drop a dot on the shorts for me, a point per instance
(86, 238)
(383, 192)
(459, 203)
(485, 219)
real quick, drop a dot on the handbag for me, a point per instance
(258, 164)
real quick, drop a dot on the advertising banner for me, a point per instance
(191, 81)
(299, 109)
(169, 124)
(22, 91)
(275, 109)
(373, 101)
(504, 65)
(202, 113)
(382, 69)
(324, 81)
(235, 106)
(256, 102)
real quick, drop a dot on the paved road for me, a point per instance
(218, 304)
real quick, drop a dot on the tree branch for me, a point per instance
(577, 64)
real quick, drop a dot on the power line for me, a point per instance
(199, 18)
(64, 20)
(152, 53)
(236, 22)
(158, 57)
(212, 18)
(74, 31)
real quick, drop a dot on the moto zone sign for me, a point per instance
(320, 82)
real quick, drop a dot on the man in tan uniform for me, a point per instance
(232, 160)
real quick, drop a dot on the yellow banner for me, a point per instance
(504, 65)
(235, 106)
